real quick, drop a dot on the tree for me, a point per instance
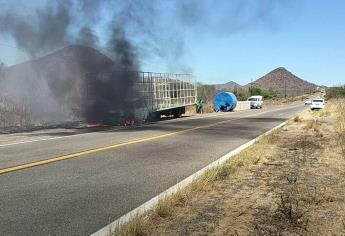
(266, 94)
(2, 66)
(206, 92)
(241, 94)
(2, 69)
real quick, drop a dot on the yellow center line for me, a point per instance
(91, 151)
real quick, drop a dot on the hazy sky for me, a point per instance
(307, 37)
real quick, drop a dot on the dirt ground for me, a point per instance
(290, 183)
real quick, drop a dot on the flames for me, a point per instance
(93, 125)
(129, 122)
(125, 123)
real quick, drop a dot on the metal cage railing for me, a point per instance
(163, 91)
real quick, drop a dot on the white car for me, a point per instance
(256, 101)
(307, 102)
(318, 103)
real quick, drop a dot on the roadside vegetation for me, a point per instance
(335, 92)
(267, 94)
(14, 114)
(285, 101)
(291, 182)
(207, 93)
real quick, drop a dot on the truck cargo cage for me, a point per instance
(159, 93)
(164, 91)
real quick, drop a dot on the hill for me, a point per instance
(231, 85)
(282, 80)
(52, 86)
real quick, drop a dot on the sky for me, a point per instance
(307, 37)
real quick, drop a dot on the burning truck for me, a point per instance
(145, 96)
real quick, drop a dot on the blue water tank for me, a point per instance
(224, 101)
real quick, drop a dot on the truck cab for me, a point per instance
(256, 102)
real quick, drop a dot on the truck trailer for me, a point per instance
(143, 95)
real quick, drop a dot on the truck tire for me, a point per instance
(177, 112)
(155, 116)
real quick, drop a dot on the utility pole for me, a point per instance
(285, 89)
(251, 88)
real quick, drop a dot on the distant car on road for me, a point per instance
(307, 102)
(317, 103)
(256, 101)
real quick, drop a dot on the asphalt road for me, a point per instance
(77, 184)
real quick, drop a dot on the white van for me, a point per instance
(256, 101)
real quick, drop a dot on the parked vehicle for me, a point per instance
(318, 103)
(307, 102)
(256, 102)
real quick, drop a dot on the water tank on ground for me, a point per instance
(224, 101)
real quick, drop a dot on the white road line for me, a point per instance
(44, 139)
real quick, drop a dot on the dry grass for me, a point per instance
(139, 226)
(340, 126)
(324, 113)
(143, 225)
(305, 202)
(247, 158)
(165, 207)
(14, 113)
(297, 119)
(190, 110)
(284, 101)
(336, 109)
(313, 125)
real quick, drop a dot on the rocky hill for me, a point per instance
(282, 80)
(231, 86)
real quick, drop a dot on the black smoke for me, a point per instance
(111, 94)
(127, 31)
(57, 84)
(157, 28)
(87, 37)
(39, 32)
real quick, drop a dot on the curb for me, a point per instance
(142, 209)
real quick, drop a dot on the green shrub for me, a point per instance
(268, 94)
(335, 92)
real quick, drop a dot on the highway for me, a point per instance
(67, 184)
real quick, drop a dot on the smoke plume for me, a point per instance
(128, 32)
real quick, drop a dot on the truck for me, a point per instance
(151, 95)
(256, 101)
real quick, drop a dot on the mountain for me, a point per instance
(53, 84)
(62, 64)
(283, 81)
(231, 85)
